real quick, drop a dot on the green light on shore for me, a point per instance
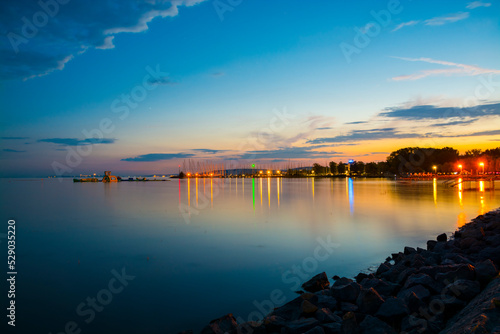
(253, 165)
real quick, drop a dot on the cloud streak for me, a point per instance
(363, 135)
(456, 69)
(405, 24)
(477, 4)
(422, 112)
(76, 142)
(450, 18)
(151, 157)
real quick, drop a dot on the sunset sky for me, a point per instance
(136, 87)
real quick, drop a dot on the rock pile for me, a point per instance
(414, 291)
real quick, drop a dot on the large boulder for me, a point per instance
(372, 325)
(393, 308)
(369, 301)
(346, 293)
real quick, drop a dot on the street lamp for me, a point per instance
(482, 165)
(460, 166)
(435, 169)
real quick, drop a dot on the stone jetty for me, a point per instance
(451, 286)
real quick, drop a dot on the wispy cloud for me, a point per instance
(324, 128)
(158, 157)
(12, 151)
(450, 18)
(476, 4)
(454, 123)
(423, 112)
(456, 69)
(366, 27)
(206, 150)
(357, 122)
(405, 24)
(163, 81)
(76, 142)
(218, 74)
(288, 153)
(363, 135)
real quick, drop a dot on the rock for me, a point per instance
(409, 250)
(347, 293)
(405, 274)
(361, 276)
(308, 307)
(393, 308)
(342, 281)
(333, 328)
(251, 327)
(463, 289)
(349, 324)
(431, 244)
(382, 287)
(369, 301)
(290, 311)
(424, 280)
(274, 323)
(486, 271)
(348, 307)
(419, 290)
(459, 271)
(335, 277)
(413, 324)
(317, 283)
(328, 302)
(382, 269)
(324, 315)
(300, 326)
(316, 330)
(372, 325)
(223, 325)
(442, 237)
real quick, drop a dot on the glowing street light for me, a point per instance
(189, 174)
(268, 172)
(260, 172)
(482, 165)
(460, 166)
(435, 169)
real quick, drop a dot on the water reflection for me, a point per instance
(434, 190)
(350, 189)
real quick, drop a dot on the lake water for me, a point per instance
(199, 249)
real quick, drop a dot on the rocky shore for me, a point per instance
(452, 286)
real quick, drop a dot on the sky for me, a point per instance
(138, 87)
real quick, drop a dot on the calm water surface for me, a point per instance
(202, 248)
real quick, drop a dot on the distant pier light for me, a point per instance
(460, 166)
(481, 164)
(435, 169)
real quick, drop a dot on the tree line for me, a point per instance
(416, 160)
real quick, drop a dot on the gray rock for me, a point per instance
(349, 324)
(409, 250)
(342, 281)
(442, 237)
(424, 280)
(460, 271)
(431, 244)
(419, 290)
(382, 287)
(300, 326)
(382, 269)
(325, 301)
(325, 315)
(348, 307)
(317, 283)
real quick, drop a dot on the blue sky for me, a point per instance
(139, 86)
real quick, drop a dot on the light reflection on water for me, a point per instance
(230, 251)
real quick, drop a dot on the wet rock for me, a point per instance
(369, 301)
(342, 281)
(317, 283)
(405, 274)
(424, 280)
(290, 311)
(382, 269)
(361, 276)
(393, 308)
(223, 325)
(251, 327)
(372, 325)
(274, 323)
(347, 293)
(486, 271)
(442, 237)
